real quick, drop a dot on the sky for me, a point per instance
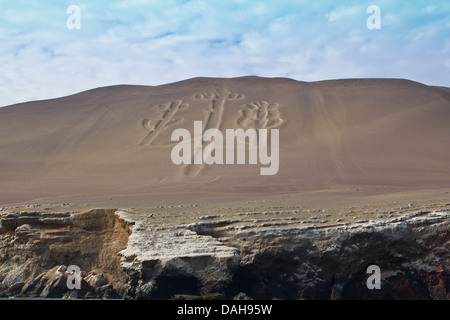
(153, 42)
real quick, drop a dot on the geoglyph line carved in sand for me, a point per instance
(214, 113)
(216, 107)
(260, 115)
(164, 119)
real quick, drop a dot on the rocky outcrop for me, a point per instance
(285, 254)
(160, 261)
(331, 263)
(37, 247)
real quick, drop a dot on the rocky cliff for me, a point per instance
(283, 253)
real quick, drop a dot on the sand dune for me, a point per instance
(116, 141)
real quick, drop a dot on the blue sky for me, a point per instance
(151, 42)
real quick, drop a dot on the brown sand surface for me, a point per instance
(340, 140)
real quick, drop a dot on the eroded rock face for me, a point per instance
(37, 247)
(283, 258)
(259, 255)
(332, 264)
(161, 261)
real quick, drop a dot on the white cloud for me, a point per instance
(155, 42)
(345, 13)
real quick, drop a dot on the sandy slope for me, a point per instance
(115, 141)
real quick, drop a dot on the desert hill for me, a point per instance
(115, 142)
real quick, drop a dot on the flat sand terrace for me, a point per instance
(318, 210)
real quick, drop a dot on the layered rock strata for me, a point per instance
(285, 254)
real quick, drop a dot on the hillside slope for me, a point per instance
(116, 141)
